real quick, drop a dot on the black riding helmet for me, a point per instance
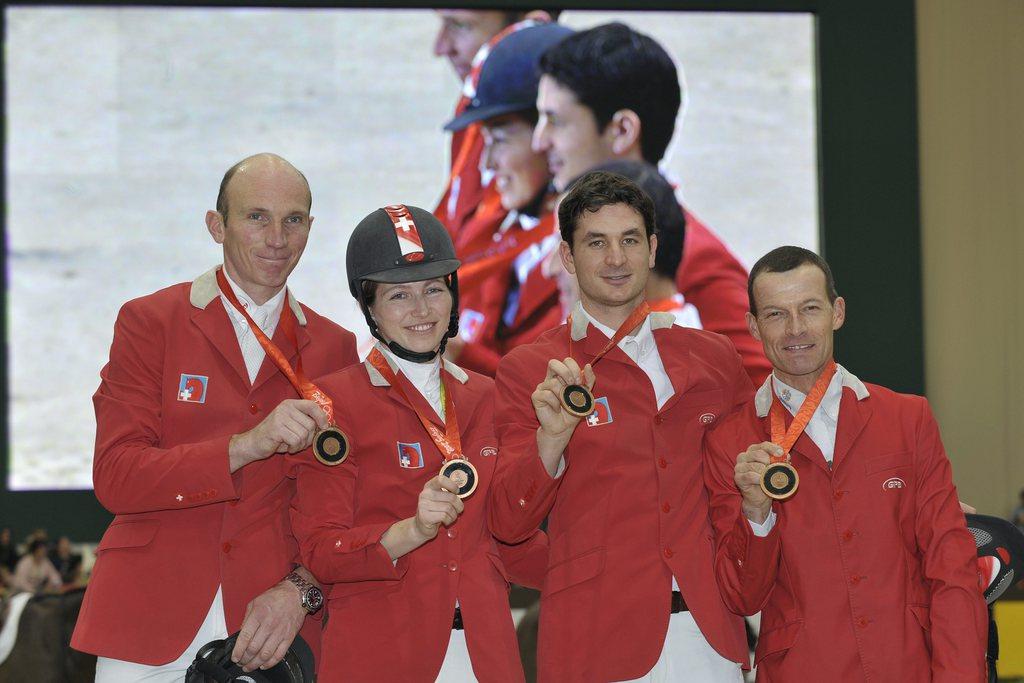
(213, 665)
(400, 243)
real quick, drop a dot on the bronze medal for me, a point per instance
(779, 480)
(578, 400)
(463, 473)
(330, 446)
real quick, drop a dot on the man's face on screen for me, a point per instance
(520, 174)
(463, 32)
(567, 134)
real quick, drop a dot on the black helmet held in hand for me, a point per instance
(401, 243)
(213, 665)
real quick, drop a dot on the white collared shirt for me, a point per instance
(265, 315)
(823, 424)
(643, 351)
(426, 377)
(822, 427)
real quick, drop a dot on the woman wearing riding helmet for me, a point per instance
(416, 585)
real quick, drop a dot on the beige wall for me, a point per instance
(971, 89)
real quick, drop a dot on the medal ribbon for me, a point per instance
(297, 377)
(786, 438)
(635, 318)
(449, 442)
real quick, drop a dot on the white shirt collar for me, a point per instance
(644, 338)
(268, 311)
(830, 403)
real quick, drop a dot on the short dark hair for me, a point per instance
(669, 219)
(592, 191)
(612, 67)
(785, 259)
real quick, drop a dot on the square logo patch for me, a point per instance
(602, 414)
(470, 324)
(410, 455)
(192, 388)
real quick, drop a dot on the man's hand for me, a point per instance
(750, 467)
(289, 428)
(437, 506)
(556, 423)
(271, 622)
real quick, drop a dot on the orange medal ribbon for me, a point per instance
(449, 442)
(635, 318)
(786, 438)
(297, 377)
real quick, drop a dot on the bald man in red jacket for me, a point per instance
(190, 419)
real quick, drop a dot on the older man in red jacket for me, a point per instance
(190, 417)
(630, 592)
(862, 567)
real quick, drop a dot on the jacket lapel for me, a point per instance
(853, 417)
(214, 323)
(678, 364)
(269, 368)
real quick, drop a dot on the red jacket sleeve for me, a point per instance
(322, 515)
(131, 472)
(745, 565)
(522, 491)
(526, 562)
(959, 622)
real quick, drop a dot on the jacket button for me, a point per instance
(665, 507)
(847, 535)
(662, 463)
(854, 580)
(862, 622)
(838, 495)
(226, 547)
(452, 533)
(452, 566)
(253, 408)
(658, 419)
(668, 552)
(522, 502)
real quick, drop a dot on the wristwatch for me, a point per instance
(312, 596)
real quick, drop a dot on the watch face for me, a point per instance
(314, 599)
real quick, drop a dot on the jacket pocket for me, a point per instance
(700, 398)
(575, 570)
(880, 463)
(778, 639)
(129, 534)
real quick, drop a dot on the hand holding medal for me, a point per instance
(330, 445)
(780, 479)
(456, 466)
(577, 398)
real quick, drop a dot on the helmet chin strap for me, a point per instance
(408, 354)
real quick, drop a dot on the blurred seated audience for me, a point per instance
(34, 572)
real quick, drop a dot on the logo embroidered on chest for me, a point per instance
(602, 414)
(707, 418)
(192, 388)
(410, 455)
(488, 451)
(893, 483)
